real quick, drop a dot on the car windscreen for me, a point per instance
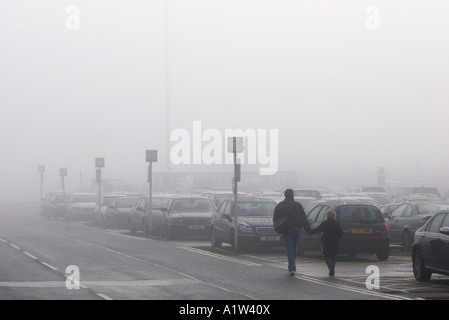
(355, 213)
(192, 205)
(431, 209)
(108, 199)
(60, 198)
(126, 202)
(84, 198)
(221, 197)
(160, 202)
(255, 208)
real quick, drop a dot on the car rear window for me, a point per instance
(359, 214)
(431, 209)
(256, 208)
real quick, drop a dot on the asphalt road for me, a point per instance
(35, 255)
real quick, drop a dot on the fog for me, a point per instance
(350, 86)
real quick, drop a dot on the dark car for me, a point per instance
(217, 197)
(255, 224)
(407, 218)
(431, 248)
(141, 220)
(187, 216)
(364, 228)
(118, 212)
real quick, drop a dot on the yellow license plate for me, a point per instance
(361, 230)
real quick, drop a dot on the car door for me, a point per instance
(445, 242)
(432, 248)
(308, 240)
(394, 223)
(221, 222)
(138, 211)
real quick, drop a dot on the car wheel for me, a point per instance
(166, 232)
(232, 238)
(407, 240)
(145, 228)
(132, 229)
(383, 254)
(419, 269)
(213, 239)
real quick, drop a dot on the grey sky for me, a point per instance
(346, 99)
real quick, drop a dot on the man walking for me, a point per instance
(297, 219)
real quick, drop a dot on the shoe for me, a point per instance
(332, 272)
(292, 273)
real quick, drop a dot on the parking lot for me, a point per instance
(396, 275)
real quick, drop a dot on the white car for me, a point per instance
(81, 206)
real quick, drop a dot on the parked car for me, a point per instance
(56, 205)
(407, 218)
(414, 190)
(45, 202)
(118, 212)
(373, 189)
(362, 197)
(418, 198)
(387, 209)
(81, 206)
(140, 219)
(187, 216)
(307, 193)
(431, 247)
(217, 197)
(105, 201)
(382, 198)
(364, 228)
(255, 224)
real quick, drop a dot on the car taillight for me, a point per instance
(421, 223)
(386, 231)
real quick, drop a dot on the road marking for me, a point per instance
(2, 240)
(14, 246)
(219, 256)
(30, 255)
(49, 266)
(352, 289)
(105, 297)
(122, 283)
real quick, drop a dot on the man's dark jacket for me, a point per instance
(295, 210)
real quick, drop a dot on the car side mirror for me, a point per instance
(444, 230)
(226, 216)
(164, 210)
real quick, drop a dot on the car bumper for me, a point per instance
(266, 240)
(189, 230)
(363, 245)
(86, 214)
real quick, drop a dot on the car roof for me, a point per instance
(342, 202)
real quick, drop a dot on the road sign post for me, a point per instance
(150, 156)
(63, 173)
(99, 163)
(235, 145)
(41, 170)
